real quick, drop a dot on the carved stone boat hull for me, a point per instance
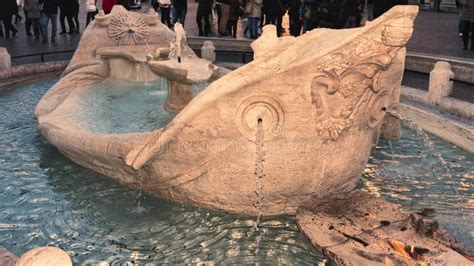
(298, 121)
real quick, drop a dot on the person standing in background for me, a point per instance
(66, 12)
(203, 13)
(225, 12)
(91, 10)
(295, 19)
(19, 6)
(28, 22)
(253, 9)
(273, 11)
(75, 15)
(165, 11)
(467, 18)
(49, 13)
(234, 14)
(180, 10)
(107, 5)
(8, 9)
(33, 14)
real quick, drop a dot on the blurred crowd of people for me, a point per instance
(304, 15)
(38, 14)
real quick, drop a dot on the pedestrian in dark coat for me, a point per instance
(295, 19)
(8, 9)
(273, 11)
(66, 12)
(33, 15)
(75, 15)
(204, 11)
(180, 11)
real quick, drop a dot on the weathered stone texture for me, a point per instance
(318, 99)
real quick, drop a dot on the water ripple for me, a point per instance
(47, 200)
(416, 179)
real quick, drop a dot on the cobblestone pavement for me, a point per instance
(435, 33)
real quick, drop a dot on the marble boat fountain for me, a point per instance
(299, 121)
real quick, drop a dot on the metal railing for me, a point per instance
(244, 55)
(42, 55)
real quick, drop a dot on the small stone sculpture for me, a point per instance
(208, 51)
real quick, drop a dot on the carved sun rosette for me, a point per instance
(128, 28)
(347, 82)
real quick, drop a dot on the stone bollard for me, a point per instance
(45, 256)
(441, 84)
(208, 51)
(5, 63)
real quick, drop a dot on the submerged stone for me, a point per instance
(362, 229)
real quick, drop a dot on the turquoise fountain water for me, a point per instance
(45, 199)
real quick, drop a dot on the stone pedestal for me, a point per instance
(208, 51)
(5, 63)
(441, 84)
(179, 95)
